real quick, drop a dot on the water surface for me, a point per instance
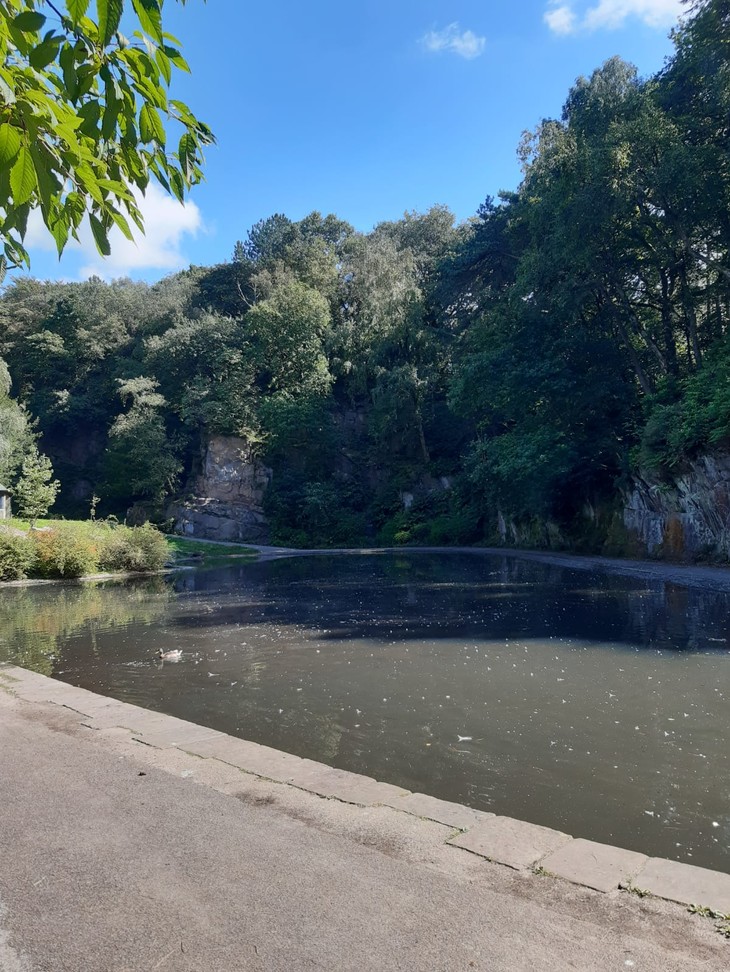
(592, 703)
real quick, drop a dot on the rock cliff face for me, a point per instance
(225, 501)
(684, 518)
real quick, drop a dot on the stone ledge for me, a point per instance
(685, 884)
(598, 866)
(248, 756)
(514, 843)
(442, 811)
(327, 781)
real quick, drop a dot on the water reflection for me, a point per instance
(595, 704)
(35, 622)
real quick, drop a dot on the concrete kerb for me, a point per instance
(502, 840)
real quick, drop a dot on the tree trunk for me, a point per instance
(670, 346)
(691, 319)
(643, 379)
(422, 438)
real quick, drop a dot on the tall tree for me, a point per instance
(35, 489)
(16, 434)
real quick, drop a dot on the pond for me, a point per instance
(596, 704)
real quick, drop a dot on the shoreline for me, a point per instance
(533, 850)
(716, 578)
(181, 848)
(710, 578)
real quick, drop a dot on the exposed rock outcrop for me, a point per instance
(226, 499)
(687, 517)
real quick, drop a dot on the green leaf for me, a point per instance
(90, 113)
(163, 62)
(6, 91)
(16, 252)
(9, 143)
(48, 184)
(150, 17)
(177, 59)
(67, 60)
(177, 185)
(109, 14)
(118, 188)
(122, 224)
(187, 151)
(22, 177)
(29, 21)
(59, 231)
(87, 182)
(100, 235)
(76, 9)
(42, 55)
(150, 125)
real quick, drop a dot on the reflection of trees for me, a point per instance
(35, 620)
(415, 595)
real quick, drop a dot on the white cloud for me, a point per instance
(166, 224)
(37, 236)
(561, 17)
(560, 20)
(464, 43)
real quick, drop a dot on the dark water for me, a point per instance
(591, 703)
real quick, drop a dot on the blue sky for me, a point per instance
(364, 109)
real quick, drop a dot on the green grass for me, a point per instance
(83, 526)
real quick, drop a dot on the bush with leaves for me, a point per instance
(141, 548)
(64, 551)
(17, 555)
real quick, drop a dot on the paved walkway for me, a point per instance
(116, 856)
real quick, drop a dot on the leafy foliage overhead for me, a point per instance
(86, 120)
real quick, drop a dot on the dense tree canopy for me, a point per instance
(518, 366)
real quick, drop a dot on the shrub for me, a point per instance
(17, 555)
(64, 552)
(138, 548)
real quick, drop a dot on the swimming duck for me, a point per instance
(174, 654)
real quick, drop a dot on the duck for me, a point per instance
(174, 654)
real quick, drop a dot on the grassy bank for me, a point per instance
(75, 548)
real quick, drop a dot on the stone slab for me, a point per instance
(442, 811)
(60, 693)
(248, 756)
(124, 714)
(328, 781)
(177, 735)
(512, 842)
(597, 866)
(21, 675)
(685, 884)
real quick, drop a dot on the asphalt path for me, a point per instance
(116, 857)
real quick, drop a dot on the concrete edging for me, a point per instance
(503, 840)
